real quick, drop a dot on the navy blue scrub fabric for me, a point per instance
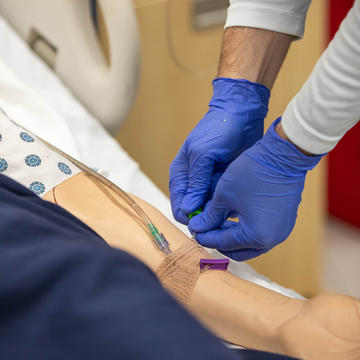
(65, 294)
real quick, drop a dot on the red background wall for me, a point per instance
(344, 160)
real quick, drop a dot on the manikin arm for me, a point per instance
(236, 310)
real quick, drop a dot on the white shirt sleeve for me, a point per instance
(328, 104)
(285, 16)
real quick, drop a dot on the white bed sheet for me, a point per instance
(34, 96)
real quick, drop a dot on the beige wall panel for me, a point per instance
(178, 65)
(174, 89)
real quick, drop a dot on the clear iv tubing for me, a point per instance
(157, 237)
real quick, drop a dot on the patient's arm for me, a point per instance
(326, 327)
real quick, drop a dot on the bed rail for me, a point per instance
(102, 75)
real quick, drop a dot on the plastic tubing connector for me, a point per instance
(194, 213)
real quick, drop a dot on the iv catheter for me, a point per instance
(208, 264)
(190, 216)
(158, 238)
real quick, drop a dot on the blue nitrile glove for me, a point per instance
(263, 188)
(234, 122)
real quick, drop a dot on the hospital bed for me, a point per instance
(33, 94)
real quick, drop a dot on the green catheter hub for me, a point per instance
(159, 239)
(191, 215)
(194, 213)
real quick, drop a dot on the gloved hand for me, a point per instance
(234, 122)
(263, 187)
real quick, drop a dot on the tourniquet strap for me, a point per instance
(179, 272)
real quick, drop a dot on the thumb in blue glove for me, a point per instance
(233, 123)
(263, 188)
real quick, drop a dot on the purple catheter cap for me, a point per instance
(214, 264)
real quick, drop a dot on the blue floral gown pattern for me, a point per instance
(27, 160)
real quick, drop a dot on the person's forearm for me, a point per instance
(327, 106)
(253, 54)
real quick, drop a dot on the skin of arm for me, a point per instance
(282, 134)
(236, 310)
(253, 54)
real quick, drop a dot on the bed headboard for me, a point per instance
(98, 60)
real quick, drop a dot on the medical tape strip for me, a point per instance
(179, 271)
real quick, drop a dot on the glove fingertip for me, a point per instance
(181, 217)
(197, 225)
(191, 202)
(205, 239)
(206, 221)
